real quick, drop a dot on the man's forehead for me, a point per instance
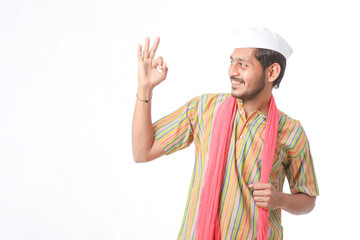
(243, 54)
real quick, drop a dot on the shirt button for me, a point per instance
(241, 112)
(247, 124)
(241, 137)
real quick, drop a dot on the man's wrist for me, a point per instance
(144, 93)
(283, 198)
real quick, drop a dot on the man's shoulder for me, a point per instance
(289, 124)
(208, 102)
(210, 98)
(286, 117)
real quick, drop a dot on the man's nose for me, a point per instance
(233, 71)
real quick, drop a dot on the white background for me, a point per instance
(68, 78)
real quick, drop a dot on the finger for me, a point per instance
(258, 193)
(258, 200)
(154, 48)
(260, 186)
(261, 199)
(158, 62)
(155, 64)
(252, 185)
(164, 70)
(146, 48)
(262, 192)
(139, 55)
(263, 205)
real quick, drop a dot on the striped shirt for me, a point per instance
(238, 212)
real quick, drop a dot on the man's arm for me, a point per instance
(150, 73)
(266, 196)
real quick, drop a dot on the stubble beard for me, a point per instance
(252, 93)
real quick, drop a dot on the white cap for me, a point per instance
(261, 37)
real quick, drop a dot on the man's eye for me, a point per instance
(241, 64)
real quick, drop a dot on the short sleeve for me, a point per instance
(175, 131)
(299, 167)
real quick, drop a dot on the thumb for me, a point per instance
(252, 185)
(164, 70)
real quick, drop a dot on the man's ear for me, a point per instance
(273, 72)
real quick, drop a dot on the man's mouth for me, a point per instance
(237, 81)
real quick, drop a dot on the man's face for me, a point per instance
(246, 74)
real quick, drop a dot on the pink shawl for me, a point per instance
(208, 220)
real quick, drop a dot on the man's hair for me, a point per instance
(267, 57)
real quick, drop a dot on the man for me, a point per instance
(238, 155)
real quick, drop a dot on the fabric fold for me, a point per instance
(208, 220)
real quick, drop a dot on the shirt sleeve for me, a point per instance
(175, 131)
(299, 167)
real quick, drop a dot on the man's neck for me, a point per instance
(260, 103)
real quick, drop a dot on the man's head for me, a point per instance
(268, 57)
(258, 62)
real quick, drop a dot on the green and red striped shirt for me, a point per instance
(238, 212)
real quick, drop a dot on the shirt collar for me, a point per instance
(240, 103)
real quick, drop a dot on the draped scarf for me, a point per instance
(208, 220)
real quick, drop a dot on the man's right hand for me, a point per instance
(151, 72)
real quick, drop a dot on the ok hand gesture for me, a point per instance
(151, 72)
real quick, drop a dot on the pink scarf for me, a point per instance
(208, 220)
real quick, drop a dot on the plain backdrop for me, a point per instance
(68, 80)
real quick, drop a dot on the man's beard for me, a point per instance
(250, 94)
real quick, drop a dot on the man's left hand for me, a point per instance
(266, 195)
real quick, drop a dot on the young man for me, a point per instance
(244, 146)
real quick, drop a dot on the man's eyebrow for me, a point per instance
(238, 59)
